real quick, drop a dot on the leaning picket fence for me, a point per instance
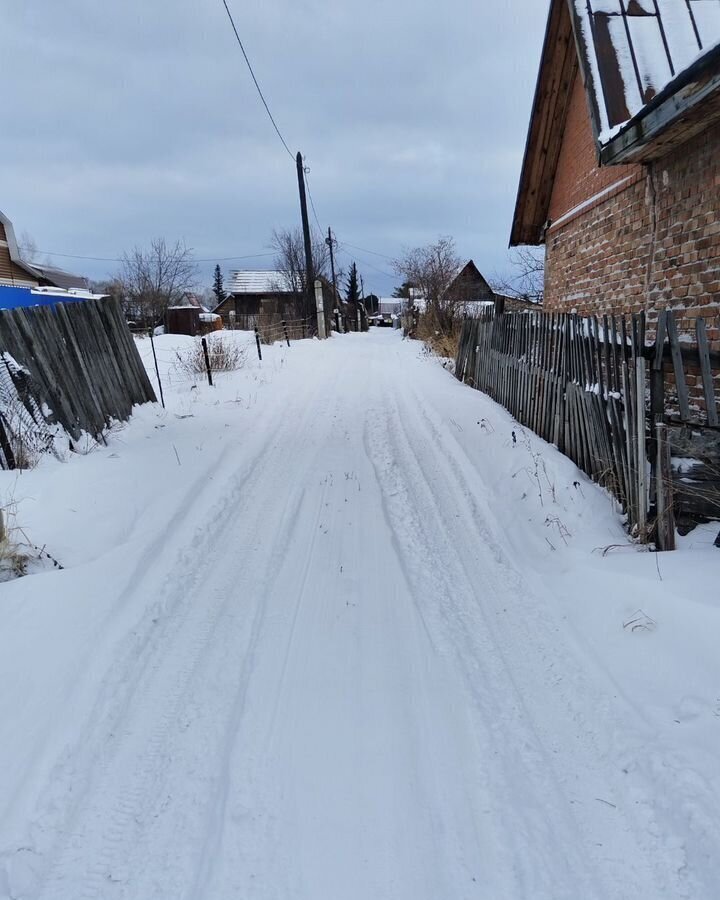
(68, 369)
(582, 384)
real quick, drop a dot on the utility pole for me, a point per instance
(362, 300)
(309, 269)
(330, 241)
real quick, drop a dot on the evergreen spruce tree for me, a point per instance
(353, 292)
(218, 288)
(403, 292)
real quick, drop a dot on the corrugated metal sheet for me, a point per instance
(635, 48)
(61, 278)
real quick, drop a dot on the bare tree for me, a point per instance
(156, 278)
(27, 247)
(526, 276)
(289, 248)
(431, 270)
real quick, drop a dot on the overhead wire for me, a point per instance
(306, 169)
(255, 81)
(365, 250)
(290, 154)
(120, 258)
(272, 119)
(343, 249)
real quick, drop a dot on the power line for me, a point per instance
(260, 93)
(119, 258)
(365, 250)
(343, 249)
(312, 202)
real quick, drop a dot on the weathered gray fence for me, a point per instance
(604, 397)
(71, 365)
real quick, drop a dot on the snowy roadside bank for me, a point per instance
(496, 538)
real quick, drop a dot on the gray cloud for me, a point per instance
(123, 121)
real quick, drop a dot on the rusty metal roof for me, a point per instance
(633, 49)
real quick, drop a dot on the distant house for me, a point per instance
(14, 271)
(391, 306)
(621, 175)
(468, 285)
(266, 293)
(469, 292)
(18, 272)
(252, 292)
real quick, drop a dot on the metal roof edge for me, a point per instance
(662, 111)
(13, 247)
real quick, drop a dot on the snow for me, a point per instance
(641, 36)
(258, 281)
(60, 293)
(349, 637)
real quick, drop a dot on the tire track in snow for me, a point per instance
(413, 476)
(602, 724)
(122, 766)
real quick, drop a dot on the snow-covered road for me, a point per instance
(334, 658)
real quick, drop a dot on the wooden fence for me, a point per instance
(72, 367)
(605, 396)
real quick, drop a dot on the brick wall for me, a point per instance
(650, 243)
(578, 176)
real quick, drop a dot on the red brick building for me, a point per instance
(621, 176)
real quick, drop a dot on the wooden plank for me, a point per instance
(606, 355)
(123, 353)
(599, 356)
(680, 382)
(107, 359)
(665, 528)
(135, 378)
(641, 450)
(620, 450)
(706, 372)
(660, 334)
(92, 407)
(629, 430)
(85, 333)
(42, 363)
(617, 377)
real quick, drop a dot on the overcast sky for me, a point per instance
(128, 120)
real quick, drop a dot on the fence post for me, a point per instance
(664, 489)
(257, 341)
(320, 309)
(284, 325)
(641, 450)
(304, 328)
(157, 369)
(337, 321)
(9, 459)
(207, 361)
(231, 317)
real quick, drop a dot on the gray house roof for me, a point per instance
(60, 278)
(259, 281)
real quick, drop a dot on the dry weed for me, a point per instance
(225, 355)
